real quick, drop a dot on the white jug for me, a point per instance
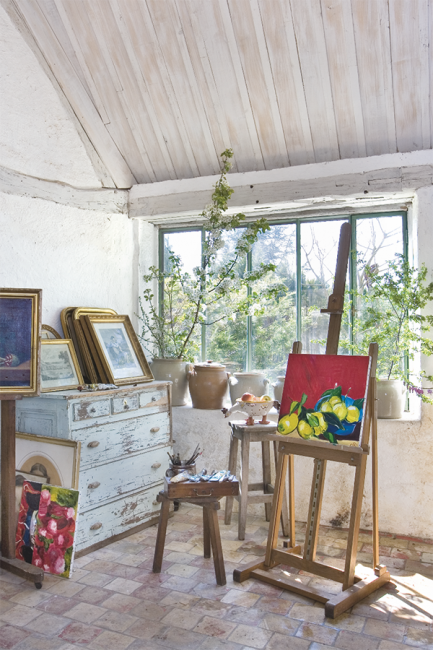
(247, 382)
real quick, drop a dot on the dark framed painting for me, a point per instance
(20, 325)
(324, 398)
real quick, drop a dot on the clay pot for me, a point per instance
(208, 385)
(278, 387)
(174, 370)
(247, 382)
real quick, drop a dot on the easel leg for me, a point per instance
(374, 469)
(312, 532)
(8, 515)
(277, 504)
(266, 467)
(233, 457)
(245, 468)
(284, 509)
(355, 518)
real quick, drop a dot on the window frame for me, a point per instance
(351, 218)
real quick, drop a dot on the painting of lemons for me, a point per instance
(324, 398)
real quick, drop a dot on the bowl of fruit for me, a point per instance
(254, 407)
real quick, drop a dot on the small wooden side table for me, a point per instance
(248, 434)
(206, 495)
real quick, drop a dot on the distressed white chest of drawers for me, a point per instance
(124, 437)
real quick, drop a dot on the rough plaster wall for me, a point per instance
(77, 257)
(36, 135)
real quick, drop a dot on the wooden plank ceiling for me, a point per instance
(162, 87)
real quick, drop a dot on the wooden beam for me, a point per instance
(291, 188)
(99, 199)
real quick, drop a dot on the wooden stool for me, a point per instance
(247, 434)
(211, 532)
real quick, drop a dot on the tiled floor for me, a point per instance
(114, 601)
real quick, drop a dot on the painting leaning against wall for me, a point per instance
(324, 398)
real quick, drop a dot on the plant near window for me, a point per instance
(390, 314)
(221, 288)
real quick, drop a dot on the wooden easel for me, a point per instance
(354, 588)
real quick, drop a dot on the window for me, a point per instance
(304, 251)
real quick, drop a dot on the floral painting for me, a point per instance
(324, 398)
(55, 530)
(27, 514)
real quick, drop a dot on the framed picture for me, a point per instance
(48, 332)
(118, 353)
(48, 460)
(20, 324)
(324, 398)
(59, 366)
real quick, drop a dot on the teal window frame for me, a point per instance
(351, 218)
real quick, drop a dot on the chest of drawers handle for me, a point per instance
(93, 410)
(96, 526)
(156, 465)
(94, 443)
(93, 486)
(154, 430)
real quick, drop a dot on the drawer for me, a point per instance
(88, 409)
(155, 400)
(113, 440)
(116, 517)
(129, 474)
(122, 404)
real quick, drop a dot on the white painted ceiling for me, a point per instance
(162, 87)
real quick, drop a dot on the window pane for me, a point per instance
(273, 332)
(319, 247)
(226, 337)
(187, 245)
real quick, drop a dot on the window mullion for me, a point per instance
(298, 281)
(353, 261)
(203, 325)
(249, 359)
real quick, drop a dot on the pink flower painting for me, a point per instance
(55, 530)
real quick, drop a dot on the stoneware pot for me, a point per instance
(174, 370)
(278, 387)
(247, 382)
(207, 385)
(391, 395)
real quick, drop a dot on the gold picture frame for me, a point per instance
(60, 369)
(57, 459)
(117, 350)
(48, 332)
(20, 349)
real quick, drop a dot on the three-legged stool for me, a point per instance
(247, 434)
(211, 532)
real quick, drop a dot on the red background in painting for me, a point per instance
(312, 374)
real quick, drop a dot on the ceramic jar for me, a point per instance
(247, 382)
(174, 370)
(391, 396)
(207, 385)
(278, 387)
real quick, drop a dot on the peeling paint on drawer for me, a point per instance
(116, 517)
(91, 409)
(117, 439)
(123, 404)
(122, 476)
(152, 399)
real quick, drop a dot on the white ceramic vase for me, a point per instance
(391, 396)
(174, 370)
(247, 382)
(278, 387)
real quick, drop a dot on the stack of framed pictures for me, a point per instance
(115, 349)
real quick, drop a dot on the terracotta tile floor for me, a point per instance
(114, 601)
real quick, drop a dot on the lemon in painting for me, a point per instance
(287, 424)
(304, 430)
(266, 398)
(340, 410)
(334, 400)
(326, 407)
(323, 425)
(352, 414)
